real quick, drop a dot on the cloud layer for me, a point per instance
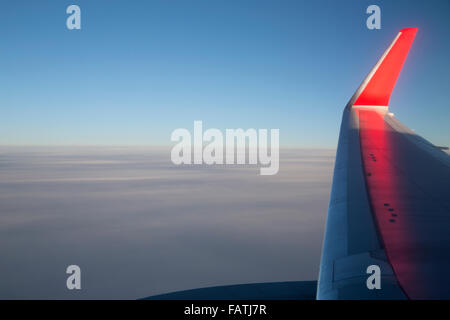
(137, 225)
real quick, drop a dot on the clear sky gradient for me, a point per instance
(137, 70)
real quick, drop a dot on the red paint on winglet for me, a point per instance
(378, 91)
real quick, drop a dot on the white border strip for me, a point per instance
(380, 108)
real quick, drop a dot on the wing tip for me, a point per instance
(409, 30)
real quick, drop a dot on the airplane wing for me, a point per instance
(390, 199)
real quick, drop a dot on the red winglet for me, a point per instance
(377, 87)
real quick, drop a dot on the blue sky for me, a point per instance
(137, 70)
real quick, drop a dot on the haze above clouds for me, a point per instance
(138, 225)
